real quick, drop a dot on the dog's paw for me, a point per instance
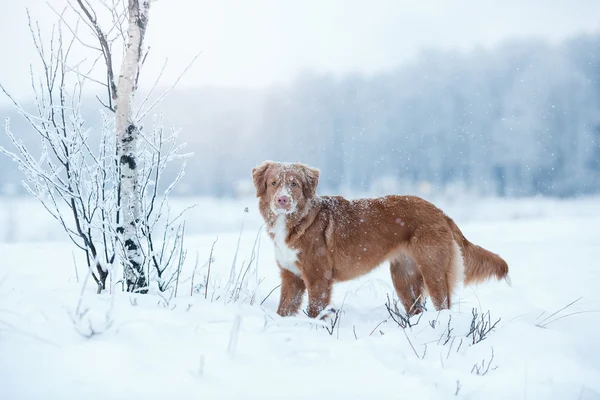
(418, 308)
(327, 314)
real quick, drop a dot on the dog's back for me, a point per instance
(426, 249)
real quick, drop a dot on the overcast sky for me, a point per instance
(259, 42)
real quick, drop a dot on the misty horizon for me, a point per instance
(491, 122)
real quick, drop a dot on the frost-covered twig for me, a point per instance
(194, 274)
(242, 281)
(399, 316)
(413, 347)
(484, 368)
(64, 175)
(232, 271)
(75, 267)
(332, 321)
(142, 113)
(447, 332)
(210, 258)
(377, 326)
(481, 326)
(270, 293)
(543, 323)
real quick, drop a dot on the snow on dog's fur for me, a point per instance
(320, 240)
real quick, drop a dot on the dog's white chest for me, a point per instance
(285, 256)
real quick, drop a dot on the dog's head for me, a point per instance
(285, 188)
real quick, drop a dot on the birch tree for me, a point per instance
(106, 199)
(128, 138)
(122, 93)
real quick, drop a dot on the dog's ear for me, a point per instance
(259, 176)
(311, 181)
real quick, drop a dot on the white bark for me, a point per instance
(127, 146)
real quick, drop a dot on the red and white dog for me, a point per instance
(320, 240)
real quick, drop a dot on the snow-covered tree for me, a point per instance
(104, 188)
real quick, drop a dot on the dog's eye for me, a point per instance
(293, 184)
(274, 183)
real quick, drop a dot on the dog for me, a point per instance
(320, 240)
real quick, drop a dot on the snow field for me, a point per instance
(150, 346)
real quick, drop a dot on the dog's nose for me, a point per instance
(283, 200)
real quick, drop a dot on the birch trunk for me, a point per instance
(127, 145)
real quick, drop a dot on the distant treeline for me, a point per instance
(520, 119)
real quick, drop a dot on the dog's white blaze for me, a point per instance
(285, 256)
(283, 191)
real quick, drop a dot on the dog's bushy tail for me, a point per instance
(479, 263)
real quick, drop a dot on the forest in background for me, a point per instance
(520, 119)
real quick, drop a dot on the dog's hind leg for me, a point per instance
(433, 253)
(408, 282)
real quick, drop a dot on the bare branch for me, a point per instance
(91, 16)
(73, 30)
(165, 93)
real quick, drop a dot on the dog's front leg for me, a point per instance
(292, 291)
(319, 294)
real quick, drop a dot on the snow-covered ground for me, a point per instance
(147, 346)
